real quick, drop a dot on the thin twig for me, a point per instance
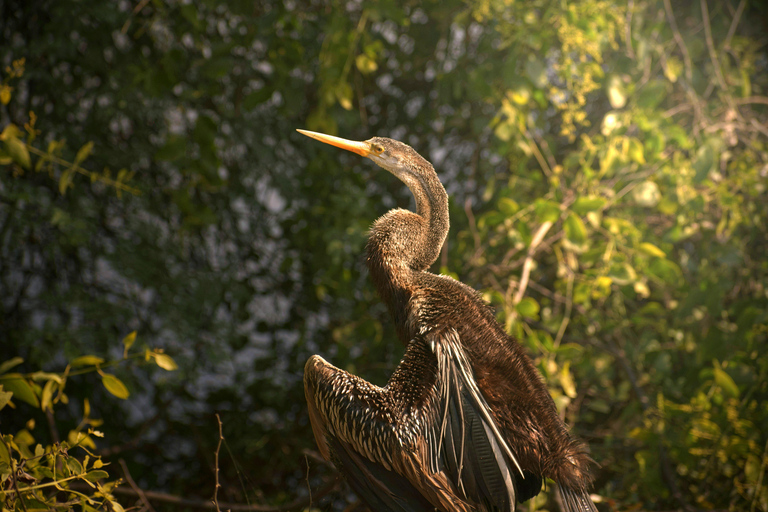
(628, 30)
(14, 473)
(759, 483)
(539, 157)
(528, 265)
(752, 99)
(711, 46)
(296, 505)
(568, 310)
(129, 479)
(680, 42)
(734, 23)
(216, 466)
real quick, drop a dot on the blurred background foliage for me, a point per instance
(607, 164)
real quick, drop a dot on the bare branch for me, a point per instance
(528, 265)
(711, 46)
(296, 505)
(734, 23)
(139, 492)
(680, 42)
(216, 466)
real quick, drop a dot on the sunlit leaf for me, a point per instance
(115, 386)
(528, 307)
(20, 387)
(584, 205)
(128, 342)
(651, 250)
(7, 365)
(575, 231)
(84, 152)
(165, 362)
(726, 382)
(95, 475)
(18, 151)
(5, 397)
(87, 361)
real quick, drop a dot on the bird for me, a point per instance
(465, 421)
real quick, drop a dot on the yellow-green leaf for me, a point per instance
(528, 307)
(84, 152)
(115, 386)
(128, 342)
(508, 206)
(575, 231)
(20, 387)
(5, 94)
(18, 151)
(5, 397)
(725, 382)
(584, 205)
(96, 474)
(366, 64)
(7, 365)
(165, 362)
(566, 380)
(651, 250)
(46, 401)
(87, 361)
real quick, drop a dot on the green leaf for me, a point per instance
(165, 362)
(128, 342)
(635, 151)
(7, 365)
(366, 64)
(566, 380)
(84, 152)
(47, 395)
(96, 474)
(651, 250)
(528, 307)
(575, 231)
(20, 387)
(547, 211)
(584, 205)
(87, 361)
(17, 150)
(726, 382)
(5, 397)
(115, 386)
(508, 206)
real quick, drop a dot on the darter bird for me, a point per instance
(465, 422)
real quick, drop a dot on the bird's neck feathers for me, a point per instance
(403, 243)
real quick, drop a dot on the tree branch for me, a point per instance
(296, 505)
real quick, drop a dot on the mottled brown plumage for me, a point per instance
(465, 422)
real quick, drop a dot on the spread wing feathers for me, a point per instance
(375, 436)
(382, 489)
(576, 500)
(470, 446)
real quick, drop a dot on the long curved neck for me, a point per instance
(403, 243)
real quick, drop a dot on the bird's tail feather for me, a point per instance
(576, 500)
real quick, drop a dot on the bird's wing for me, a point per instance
(374, 438)
(469, 446)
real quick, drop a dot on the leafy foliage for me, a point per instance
(607, 166)
(37, 476)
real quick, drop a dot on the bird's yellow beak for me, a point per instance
(361, 148)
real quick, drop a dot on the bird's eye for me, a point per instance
(376, 148)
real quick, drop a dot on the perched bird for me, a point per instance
(465, 422)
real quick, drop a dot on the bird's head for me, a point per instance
(398, 158)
